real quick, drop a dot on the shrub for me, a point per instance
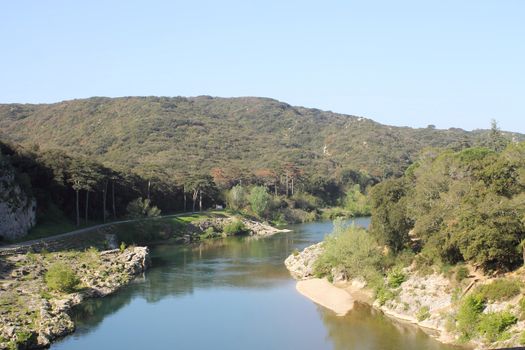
(60, 277)
(383, 294)
(235, 227)
(208, 233)
(461, 273)
(522, 338)
(351, 249)
(122, 247)
(494, 324)
(468, 315)
(395, 278)
(141, 208)
(500, 289)
(423, 313)
(356, 203)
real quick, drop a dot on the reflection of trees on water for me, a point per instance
(179, 270)
(366, 328)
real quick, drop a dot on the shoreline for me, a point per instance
(33, 316)
(300, 266)
(326, 294)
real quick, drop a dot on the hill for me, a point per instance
(201, 133)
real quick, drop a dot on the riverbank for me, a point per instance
(34, 304)
(33, 313)
(432, 301)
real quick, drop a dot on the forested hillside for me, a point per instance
(88, 159)
(236, 134)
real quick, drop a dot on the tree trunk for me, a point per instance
(287, 185)
(523, 252)
(149, 187)
(78, 208)
(200, 200)
(104, 191)
(194, 198)
(113, 195)
(87, 205)
(184, 190)
(275, 187)
(292, 186)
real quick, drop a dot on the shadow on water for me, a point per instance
(371, 329)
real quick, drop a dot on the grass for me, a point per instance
(62, 278)
(500, 289)
(236, 227)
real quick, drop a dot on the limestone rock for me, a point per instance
(301, 264)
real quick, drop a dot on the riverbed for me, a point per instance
(232, 293)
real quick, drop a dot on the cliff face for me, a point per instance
(17, 209)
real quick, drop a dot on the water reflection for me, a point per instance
(232, 293)
(365, 328)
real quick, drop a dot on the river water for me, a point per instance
(232, 293)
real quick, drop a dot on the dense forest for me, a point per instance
(88, 159)
(465, 206)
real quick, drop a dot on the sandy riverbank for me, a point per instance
(326, 294)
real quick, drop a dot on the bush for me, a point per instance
(235, 227)
(60, 277)
(351, 249)
(468, 315)
(461, 273)
(395, 278)
(306, 201)
(494, 324)
(383, 294)
(208, 233)
(141, 208)
(522, 308)
(522, 338)
(500, 289)
(356, 203)
(423, 313)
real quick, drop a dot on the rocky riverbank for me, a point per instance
(431, 301)
(216, 227)
(33, 312)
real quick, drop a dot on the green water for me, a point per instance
(231, 294)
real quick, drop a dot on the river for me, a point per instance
(232, 293)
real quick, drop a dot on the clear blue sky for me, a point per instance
(444, 62)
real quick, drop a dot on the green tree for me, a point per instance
(236, 197)
(390, 222)
(141, 208)
(259, 200)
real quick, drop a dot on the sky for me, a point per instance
(450, 63)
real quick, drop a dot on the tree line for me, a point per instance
(464, 206)
(83, 189)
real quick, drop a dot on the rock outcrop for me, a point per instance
(32, 315)
(17, 209)
(301, 264)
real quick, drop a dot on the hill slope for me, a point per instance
(197, 134)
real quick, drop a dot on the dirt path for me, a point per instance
(53, 238)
